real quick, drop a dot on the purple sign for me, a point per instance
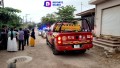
(47, 3)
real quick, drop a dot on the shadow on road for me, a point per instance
(74, 53)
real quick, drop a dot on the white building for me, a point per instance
(107, 17)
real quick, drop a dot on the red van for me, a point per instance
(64, 36)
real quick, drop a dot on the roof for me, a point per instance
(94, 2)
(87, 12)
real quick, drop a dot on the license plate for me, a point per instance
(76, 46)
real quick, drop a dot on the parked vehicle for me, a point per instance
(64, 36)
(39, 32)
(44, 31)
(42, 27)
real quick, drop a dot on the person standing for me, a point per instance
(0, 40)
(21, 38)
(26, 36)
(4, 37)
(15, 29)
(12, 43)
(32, 39)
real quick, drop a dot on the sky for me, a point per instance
(35, 9)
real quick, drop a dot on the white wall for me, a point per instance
(98, 15)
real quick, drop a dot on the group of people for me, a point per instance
(13, 40)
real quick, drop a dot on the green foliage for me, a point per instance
(49, 18)
(12, 10)
(39, 24)
(8, 16)
(31, 26)
(65, 13)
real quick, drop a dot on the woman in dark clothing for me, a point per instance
(32, 39)
(26, 36)
(0, 40)
(4, 37)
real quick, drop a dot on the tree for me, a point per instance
(8, 16)
(65, 13)
(31, 26)
(49, 19)
(39, 25)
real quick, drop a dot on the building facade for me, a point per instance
(107, 17)
(89, 15)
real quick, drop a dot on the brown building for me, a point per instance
(89, 15)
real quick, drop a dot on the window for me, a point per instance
(51, 28)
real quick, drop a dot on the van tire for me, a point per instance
(55, 52)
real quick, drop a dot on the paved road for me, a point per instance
(43, 58)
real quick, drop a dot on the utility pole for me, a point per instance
(30, 20)
(23, 19)
(2, 2)
(26, 17)
(81, 6)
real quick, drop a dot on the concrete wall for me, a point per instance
(98, 15)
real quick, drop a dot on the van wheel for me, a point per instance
(55, 52)
(47, 41)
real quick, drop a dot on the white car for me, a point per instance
(44, 32)
(39, 32)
